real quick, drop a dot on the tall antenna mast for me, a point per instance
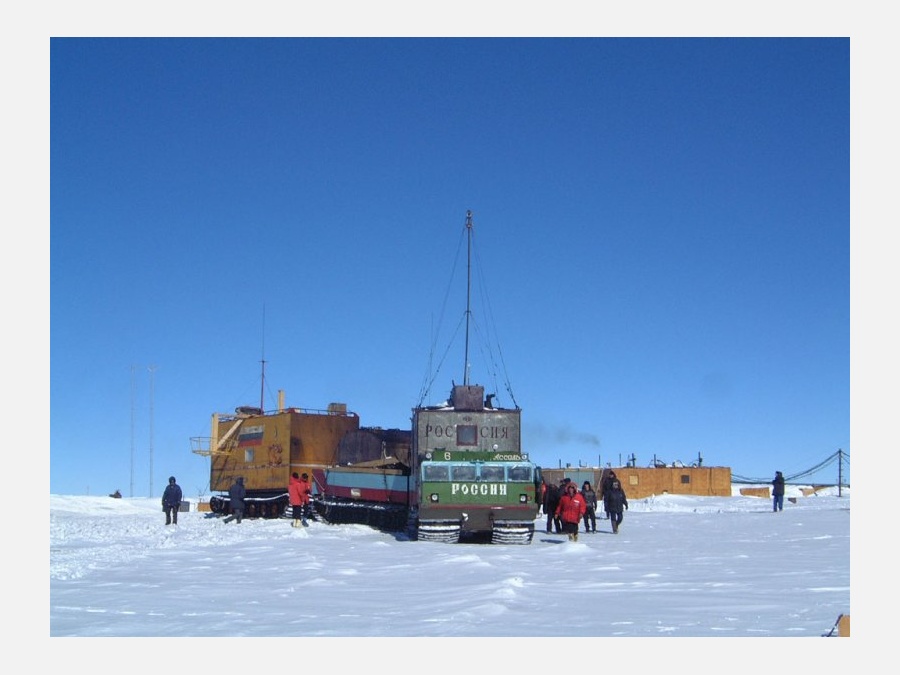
(468, 292)
(262, 379)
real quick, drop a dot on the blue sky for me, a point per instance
(662, 228)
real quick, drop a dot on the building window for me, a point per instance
(632, 480)
(466, 434)
(685, 479)
(248, 455)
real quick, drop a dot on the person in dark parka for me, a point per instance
(551, 501)
(606, 479)
(236, 494)
(590, 499)
(615, 500)
(171, 501)
(778, 492)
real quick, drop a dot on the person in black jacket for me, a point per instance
(590, 515)
(171, 501)
(778, 492)
(236, 494)
(615, 500)
(606, 479)
(551, 501)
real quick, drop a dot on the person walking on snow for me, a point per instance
(615, 501)
(299, 491)
(778, 492)
(236, 494)
(606, 479)
(543, 496)
(551, 501)
(590, 499)
(171, 501)
(571, 510)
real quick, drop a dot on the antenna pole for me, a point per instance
(262, 379)
(468, 292)
(840, 454)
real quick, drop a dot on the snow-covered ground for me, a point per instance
(680, 567)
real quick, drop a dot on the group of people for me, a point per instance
(299, 491)
(566, 507)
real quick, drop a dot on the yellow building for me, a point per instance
(706, 481)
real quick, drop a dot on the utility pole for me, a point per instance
(840, 470)
(151, 369)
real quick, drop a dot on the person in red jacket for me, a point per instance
(298, 492)
(571, 509)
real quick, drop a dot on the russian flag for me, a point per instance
(250, 436)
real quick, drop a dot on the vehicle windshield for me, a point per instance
(492, 473)
(520, 473)
(463, 472)
(436, 472)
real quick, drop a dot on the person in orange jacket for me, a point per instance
(298, 492)
(571, 509)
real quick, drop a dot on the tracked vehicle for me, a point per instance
(473, 478)
(461, 474)
(265, 448)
